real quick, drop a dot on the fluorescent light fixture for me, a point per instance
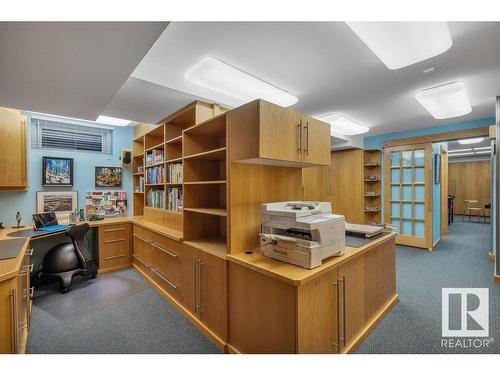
(399, 44)
(482, 148)
(483, 152)
(462, 150)
(445, 101)
(112, 121)
(462, 154)
(343, 125)
(470, 141)
(215, 75)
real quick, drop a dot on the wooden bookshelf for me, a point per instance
(372, 160)
(168, 140)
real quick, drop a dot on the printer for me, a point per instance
(300, 232)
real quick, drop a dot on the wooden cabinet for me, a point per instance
(15, 309)
(141, 253)
(317, 184)
(166, 264)
(13, 145)
(114, 247)
(264, 133)
(204, 292)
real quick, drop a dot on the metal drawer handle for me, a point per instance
(29, 252)
(27, 270)
(114, 230)
(140, 260)
(14, 329)
(337, 344)
(343, 337)
(299, 127)
(114, 257)
(141, 238)
(117, 240)
(164, 250)
(164, 279)
(31, 292)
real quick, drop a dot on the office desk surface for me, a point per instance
(10, 267)
(296, 275)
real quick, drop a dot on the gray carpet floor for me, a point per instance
(115, 313)
(120, 313)
(459, 261)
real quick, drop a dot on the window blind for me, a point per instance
(55, 135)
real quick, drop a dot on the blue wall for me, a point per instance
(375, 142)
(84, 163)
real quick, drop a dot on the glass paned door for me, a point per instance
(408, 193)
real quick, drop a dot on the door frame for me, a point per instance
(444, 192)
(422, 242)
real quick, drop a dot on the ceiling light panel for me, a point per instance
(343, 125)
(483, 152)
(461, 150)
(470, 141)
(113, 121)
(445, 101)
(482, 148)
(228, 80)
(462, 154)
(399, 44)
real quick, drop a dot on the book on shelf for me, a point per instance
(175, 199)
(140, 188)
(154, 156)
(174, 173)
(155, 198)
(156, 175)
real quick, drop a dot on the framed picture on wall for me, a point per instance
(57, 171)
(108, 177)
(59, 202)
(437, 168)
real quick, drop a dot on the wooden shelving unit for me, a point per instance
(167, 142)
(205, 196)
(372, 160)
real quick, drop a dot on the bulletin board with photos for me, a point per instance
(107, 203)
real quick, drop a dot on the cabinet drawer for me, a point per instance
(141, 265)
(115, 247)
(112, 232)
(142, 233)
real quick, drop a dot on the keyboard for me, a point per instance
(53, 228)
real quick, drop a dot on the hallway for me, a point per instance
(460, 260)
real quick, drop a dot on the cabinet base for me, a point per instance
(370, 326)
(187, 314)
(113, 269)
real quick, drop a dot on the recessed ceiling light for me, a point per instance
(399, 44)
(228, 80)
(482, 148)
(445, 101)
(470, 141)
(343, 125)
(462, 150)
(462, 154)
(113, 121)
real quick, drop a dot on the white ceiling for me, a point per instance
(85, 69)
(323, 63)
(70, 68)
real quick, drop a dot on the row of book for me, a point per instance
(140, 188)
(154, 156)
(175, 199)
(155, 175)
(174, 173)
(155, 198)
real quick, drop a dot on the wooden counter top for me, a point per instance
(296, 275)
(10, 267)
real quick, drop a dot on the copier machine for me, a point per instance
(300, 232)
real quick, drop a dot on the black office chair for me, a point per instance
(64, 261)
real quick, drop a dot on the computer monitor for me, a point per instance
(45, 219)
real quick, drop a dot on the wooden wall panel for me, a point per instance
(347, 184)
(469, 180)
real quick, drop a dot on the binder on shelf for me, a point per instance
(175, 199)
(155, 198)
(156, 175)
(174, 173)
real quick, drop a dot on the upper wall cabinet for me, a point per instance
(13, 150)
(264, 133)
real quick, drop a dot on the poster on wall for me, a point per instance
(60, 202)
(107, 203)
(108, 177)
(57, 171)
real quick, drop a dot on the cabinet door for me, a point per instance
(142, 251)
(280, 133)
(351, 276)
(9, 337)
(13, 146)
(189, 267)
(317, 315)
(213, 292)
(316, 142)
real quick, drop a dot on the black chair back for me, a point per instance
(78, 235)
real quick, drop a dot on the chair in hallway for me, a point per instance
(471, 210)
